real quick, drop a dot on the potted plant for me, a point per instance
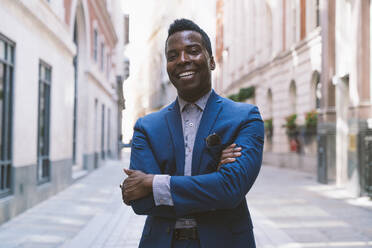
(308, 130)
(292, 132)
(243, 94)
(291, 125)
(311, 120)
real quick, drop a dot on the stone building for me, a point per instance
(345, 123)
(306, 64)
(60, 70)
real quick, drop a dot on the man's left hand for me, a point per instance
(136, 185)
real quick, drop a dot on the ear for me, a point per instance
(212, 63)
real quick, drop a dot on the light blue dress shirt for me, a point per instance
(191, 114)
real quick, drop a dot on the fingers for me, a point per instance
(227, 160)
(128, 171)
(230, 155)
(124, 195)
(232, 148)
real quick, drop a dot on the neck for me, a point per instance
(195, 97)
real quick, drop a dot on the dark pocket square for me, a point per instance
(214, 147)
(213, 140)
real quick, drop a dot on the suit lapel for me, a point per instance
(175, 126)
(211, 111)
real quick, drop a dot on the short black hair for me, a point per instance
(185, 24)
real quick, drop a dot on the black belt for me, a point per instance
(186, 233)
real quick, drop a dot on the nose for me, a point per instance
(183, 58)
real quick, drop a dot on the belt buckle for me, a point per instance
(186, 234)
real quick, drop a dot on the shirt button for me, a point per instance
(191, 124)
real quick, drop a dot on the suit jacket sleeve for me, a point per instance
(227, 187)
(142, 158)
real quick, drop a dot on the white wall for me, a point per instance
(34, 41)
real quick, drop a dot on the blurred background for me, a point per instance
(76, 74)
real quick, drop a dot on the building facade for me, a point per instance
(60, 71)
(295, 59)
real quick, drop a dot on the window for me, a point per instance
(108, 66)
(103, 133)
(126, 29)
(294, 23)
(6, 101)
(43, 160)
(108, 132)
(102, 56)
(95, 45)
(96, 154)
(293, 97)
(316, 88)
(317, 13)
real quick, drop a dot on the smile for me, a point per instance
(186, 74)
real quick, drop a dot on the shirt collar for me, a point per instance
(201, 102)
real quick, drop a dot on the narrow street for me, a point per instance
(289, 210)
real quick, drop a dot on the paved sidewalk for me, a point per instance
(289, 210)
(88, 214)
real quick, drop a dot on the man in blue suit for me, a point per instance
(193, 162)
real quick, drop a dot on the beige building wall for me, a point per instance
(263, 48)
(44, 31)
(303, 56)
(30, 22)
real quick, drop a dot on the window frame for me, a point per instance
(95, 45)
(102, 57)
(6, 164)
(44, 177)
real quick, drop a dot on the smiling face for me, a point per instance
(189, 65)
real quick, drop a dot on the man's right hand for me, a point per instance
(229, 154)
(136, 185)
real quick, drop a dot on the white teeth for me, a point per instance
(186, 74)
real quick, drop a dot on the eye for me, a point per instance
(194, 51)
(172, 55)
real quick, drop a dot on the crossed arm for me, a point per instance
(222, 189)
(139, 184)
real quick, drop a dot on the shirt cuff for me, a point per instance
(161, 190)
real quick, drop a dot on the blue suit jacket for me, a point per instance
(215, 198)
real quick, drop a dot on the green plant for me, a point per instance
(291, 124)
(244, 93)
(311, 119)
(234, 97)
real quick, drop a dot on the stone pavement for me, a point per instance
(289, 210)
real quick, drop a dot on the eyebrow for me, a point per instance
(187, 46)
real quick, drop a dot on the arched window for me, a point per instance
(269, 103)
(293, 97)
(316, 89)
(269, 128)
